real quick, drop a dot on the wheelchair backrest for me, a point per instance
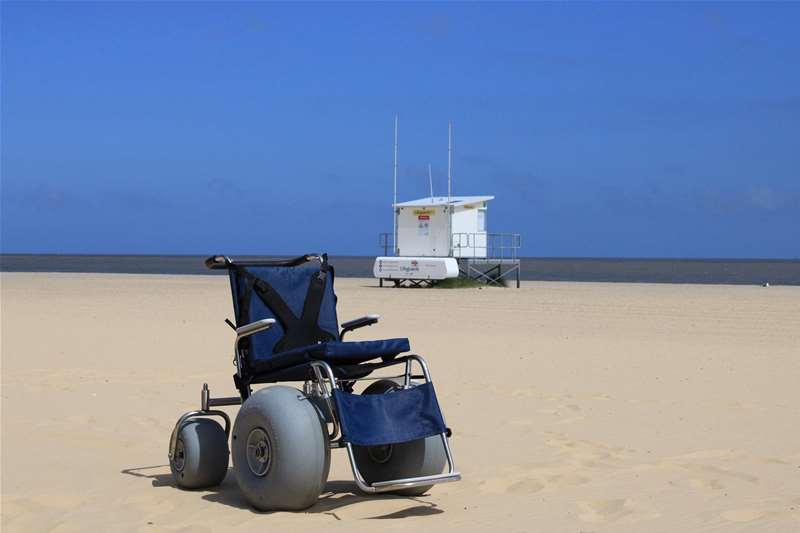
(297, 293)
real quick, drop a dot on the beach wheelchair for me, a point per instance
(287, 331)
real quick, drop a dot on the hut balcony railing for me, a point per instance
(481, 245)
(471, 245)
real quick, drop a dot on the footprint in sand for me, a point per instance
(742, 515)
(571, 419)
(616, 510)
(501, 485)
(700, 483)
(567, 480)
(57, 500)
(149, 501)
(714, 453)
(194, 528)
(526, 486)
(706, 471)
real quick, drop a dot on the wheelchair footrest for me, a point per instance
(407, 483)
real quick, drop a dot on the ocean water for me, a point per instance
(712, 271)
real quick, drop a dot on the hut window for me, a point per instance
(482, 219)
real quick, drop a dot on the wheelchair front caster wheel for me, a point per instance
(423, 457)
(201, 455)
(280, 450)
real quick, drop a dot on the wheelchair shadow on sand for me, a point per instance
(337, 494)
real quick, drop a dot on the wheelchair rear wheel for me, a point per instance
(280, 450)
(201, 455)
(424, 457)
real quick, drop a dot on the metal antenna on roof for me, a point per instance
(430, 179)
(394, 203)
(449, 184)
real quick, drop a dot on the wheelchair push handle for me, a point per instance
(216, 262)
(220, 262)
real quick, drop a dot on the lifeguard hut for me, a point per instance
(435, 243)
(424, 226)
(440, 237)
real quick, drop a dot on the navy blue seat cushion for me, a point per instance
(335, 353)
(358, 351)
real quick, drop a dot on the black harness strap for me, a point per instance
(313, 302)
(244, 302)
(298, 331)
(305, 330)
(273, 300)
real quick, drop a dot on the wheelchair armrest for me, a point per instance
(358, 323)
(245, 331)
(254, 327)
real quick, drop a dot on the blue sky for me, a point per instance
(603, 129)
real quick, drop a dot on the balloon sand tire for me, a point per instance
(201, 455)
(280, 450)
(424, 457)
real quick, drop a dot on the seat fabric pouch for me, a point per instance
(399, 416)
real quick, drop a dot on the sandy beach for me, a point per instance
(576, 407)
